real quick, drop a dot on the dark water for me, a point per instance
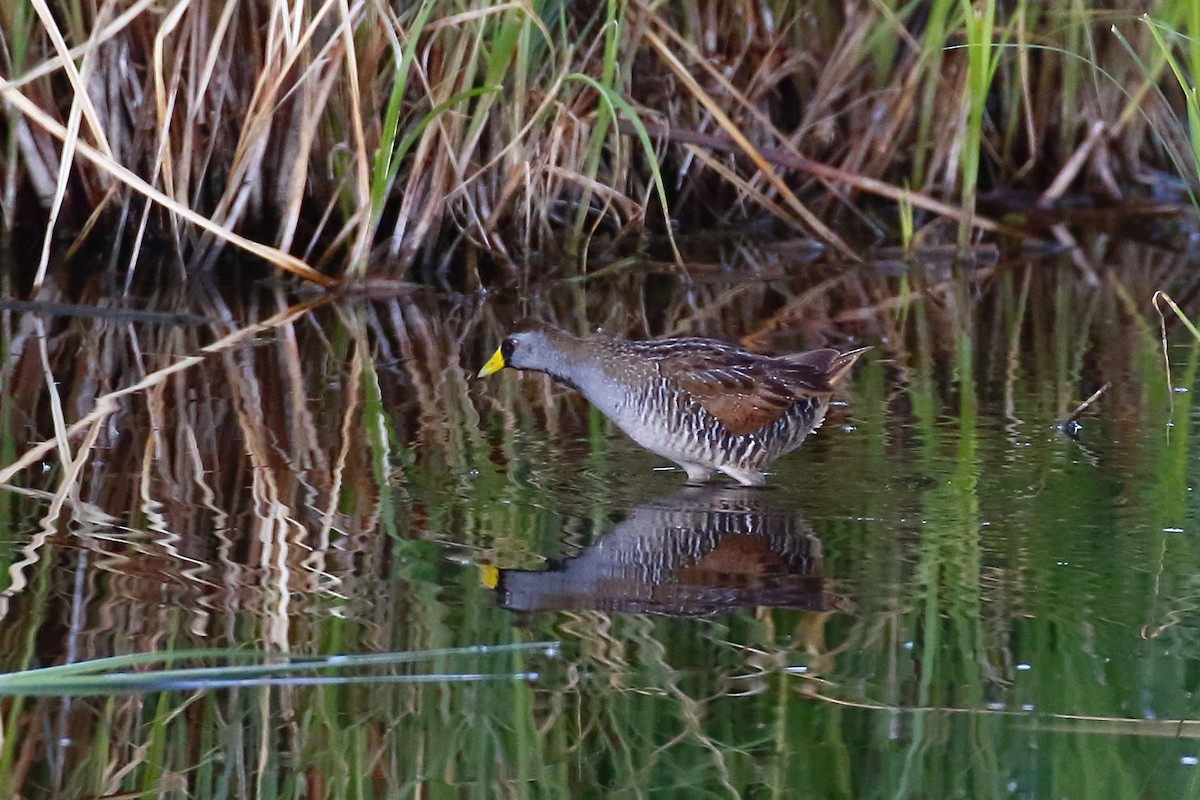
(940, 595)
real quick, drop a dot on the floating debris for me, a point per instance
(1070, 426)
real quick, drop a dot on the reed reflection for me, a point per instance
(700, 550)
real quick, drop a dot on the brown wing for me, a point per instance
(746, 392)
(739, 389)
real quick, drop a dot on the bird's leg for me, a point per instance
(697, 473)
(746, 477)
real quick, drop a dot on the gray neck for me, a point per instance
(580, 374)
(571, 364)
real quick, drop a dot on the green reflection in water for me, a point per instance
(939, 595)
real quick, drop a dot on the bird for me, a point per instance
(707, 405)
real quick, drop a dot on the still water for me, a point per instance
(941, 594)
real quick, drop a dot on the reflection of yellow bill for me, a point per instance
(494, 364)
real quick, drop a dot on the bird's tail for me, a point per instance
(827, 365)
(842, 364)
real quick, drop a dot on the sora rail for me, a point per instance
(704, 404)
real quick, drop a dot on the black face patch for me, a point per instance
(506, 349)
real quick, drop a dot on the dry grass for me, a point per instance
(364, 139)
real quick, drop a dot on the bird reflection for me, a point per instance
(699, 551)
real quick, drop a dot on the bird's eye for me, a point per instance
(507, 347)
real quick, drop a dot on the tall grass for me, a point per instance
(981, 60)
(1186, 70)
(365, 138)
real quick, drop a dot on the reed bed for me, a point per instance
(350, 139)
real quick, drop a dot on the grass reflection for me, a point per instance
(997, 608)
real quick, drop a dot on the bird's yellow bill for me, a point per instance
(489, 576)
(494, 364)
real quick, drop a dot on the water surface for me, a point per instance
(939, 595)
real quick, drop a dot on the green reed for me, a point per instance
(981, 64)
(391, 149)
(1185, 70)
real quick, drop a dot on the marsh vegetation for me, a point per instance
(478, 140)
(273, 541)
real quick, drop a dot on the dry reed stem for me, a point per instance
(294, 195)
(247, 165)
(284, 261)
(792, 160)
(78, 84)
(737, 181)
(358, 253)
(750, 151)
(81, 106)
(1067, 174)
(60, 188)
(55, 63)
